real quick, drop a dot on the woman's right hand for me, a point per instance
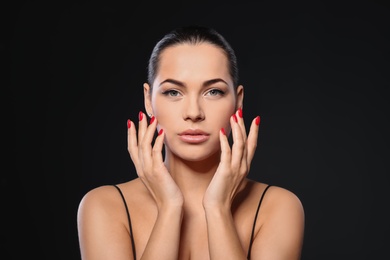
(149, 164)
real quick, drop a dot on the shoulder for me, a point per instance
(102, 221)
(282, 199)
(102, 199)
(281, 225)
(107, 196)
(277, 202)
(106, 201)
(274, 198)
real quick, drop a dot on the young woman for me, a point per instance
(192, 198)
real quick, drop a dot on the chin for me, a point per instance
(194, 158)
(196, 154)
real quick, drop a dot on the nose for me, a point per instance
(193, 109)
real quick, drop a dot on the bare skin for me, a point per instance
(197, 202)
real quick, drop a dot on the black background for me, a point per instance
(316, 72)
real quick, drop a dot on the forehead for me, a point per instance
(202, 61)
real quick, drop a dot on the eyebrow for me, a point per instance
(205, 84)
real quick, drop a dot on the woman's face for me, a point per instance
(192, 98)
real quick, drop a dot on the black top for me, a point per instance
(252, 233)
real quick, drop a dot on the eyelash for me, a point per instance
(220, 92)
(172, 91)
(169, 92)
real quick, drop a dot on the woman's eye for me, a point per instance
(171, 93)
(215, 92)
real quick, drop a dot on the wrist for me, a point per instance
(217, 208)
(170, 209)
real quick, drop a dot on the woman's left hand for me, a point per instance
(235, 162)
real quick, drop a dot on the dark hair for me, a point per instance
(192, 34)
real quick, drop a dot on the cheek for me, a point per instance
(167, 116)
(219, 116)
(160, 108)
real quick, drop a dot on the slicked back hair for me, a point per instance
(192, 34)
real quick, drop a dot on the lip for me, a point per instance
(194, 136)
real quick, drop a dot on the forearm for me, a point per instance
(165, 237)
(223, 238)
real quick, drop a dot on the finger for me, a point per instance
(142, 125)
(132, 145)
(252, 138)
(147, 140)
(238, 146)
(157, 148)
(225, 147)
(241, 122)
(131, 139)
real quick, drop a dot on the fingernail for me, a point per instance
(223, 131)
(240, 112)
(235, 117)
(128, 123)
(151, 120)
(140, 115)
(257, 120)
(160, 132)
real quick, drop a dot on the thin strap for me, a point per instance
(254, 222)
(129, 220)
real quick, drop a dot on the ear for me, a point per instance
(147, 99)
(240, 96)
